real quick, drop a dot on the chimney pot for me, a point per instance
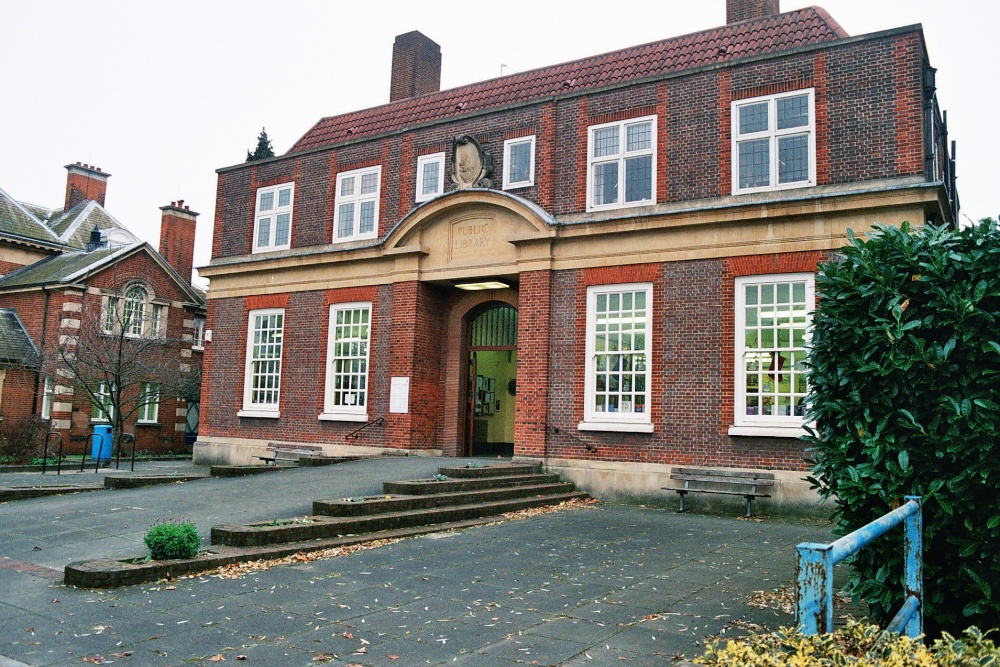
(416, 66)
(746, 10)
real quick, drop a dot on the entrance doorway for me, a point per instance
(492, 385)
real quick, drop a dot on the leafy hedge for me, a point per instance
(860, 644)
(172, 540)
(904, 375)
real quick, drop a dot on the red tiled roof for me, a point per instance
(731, 42)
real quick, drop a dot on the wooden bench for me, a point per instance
(288, 453)
(736, 482)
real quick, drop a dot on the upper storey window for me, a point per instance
(518, 162)
(273, 220)
(357, 204)
(620, 164)
(430, 176)
(774, 142)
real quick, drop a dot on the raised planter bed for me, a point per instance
(137, 481)
(319, 527)
(475, 470)
(23, 492)
(242, 471)
(307, 461)
(111, 573)
(419, 487)
(389, 503)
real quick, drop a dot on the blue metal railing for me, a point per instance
(814, 572)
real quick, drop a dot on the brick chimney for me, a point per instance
(85, 183)
(177, 226)
(416, 66)
(745, 10)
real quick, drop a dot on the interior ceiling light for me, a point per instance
(485, 284)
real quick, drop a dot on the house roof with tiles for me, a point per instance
(15, 345)
(725, 44)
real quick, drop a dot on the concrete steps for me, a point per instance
(458, 494)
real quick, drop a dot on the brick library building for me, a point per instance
(606, 266)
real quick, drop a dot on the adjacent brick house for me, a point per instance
(62, 271)
(605, 265)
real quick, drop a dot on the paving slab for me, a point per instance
(583, 587)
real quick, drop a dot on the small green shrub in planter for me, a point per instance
(860, 644)
(172, 540)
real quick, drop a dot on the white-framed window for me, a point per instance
(102, 409)
(149, 403)
(430, 176)
(621, 164)
(774, 142)
(773, 315)
(262, 384)
(3, 375)
(519, 162)
(109, 314)
(48, 391)
(273, 218)
(619, 319)
(198, 336)
(133, 311)
(346, 396)
(133, 314)
(158, 321)
(357, 204)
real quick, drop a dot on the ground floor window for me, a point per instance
(149, 403)
(103, 410)
(618, 349)
(346, 393)
(262, 384)
(773, 314)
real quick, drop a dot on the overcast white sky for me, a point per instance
(161, 94)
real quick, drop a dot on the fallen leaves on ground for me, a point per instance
(781, 599)
(237, 570)
(218, 657)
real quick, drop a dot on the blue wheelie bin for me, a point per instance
(100, 444)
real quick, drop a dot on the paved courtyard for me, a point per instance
(613, 585)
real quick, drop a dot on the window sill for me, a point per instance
(99, 421)
(622, 427)
(147, 423)
(198, 348)
(267, 249)
(518, 185)
(768, 431)
(343, 417)
(597, 208)
(263, 414)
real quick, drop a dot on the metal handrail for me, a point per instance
(45, 452)
(378, 421)
(814, 572)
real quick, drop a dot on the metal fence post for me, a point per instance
(913, 573)
(814, 581)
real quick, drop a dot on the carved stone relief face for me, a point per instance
(468, 164)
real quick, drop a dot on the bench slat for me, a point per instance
(725, 493)
(724, 480)
(723, 473)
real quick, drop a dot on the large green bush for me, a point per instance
(904, 374)
(172, 540)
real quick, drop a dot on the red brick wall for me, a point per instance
(416, 66)
(868, 122)
(18, 399)
(745, 10)
(533, 335)
(691, 366)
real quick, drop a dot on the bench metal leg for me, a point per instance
(682, 494)
(749, 501)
